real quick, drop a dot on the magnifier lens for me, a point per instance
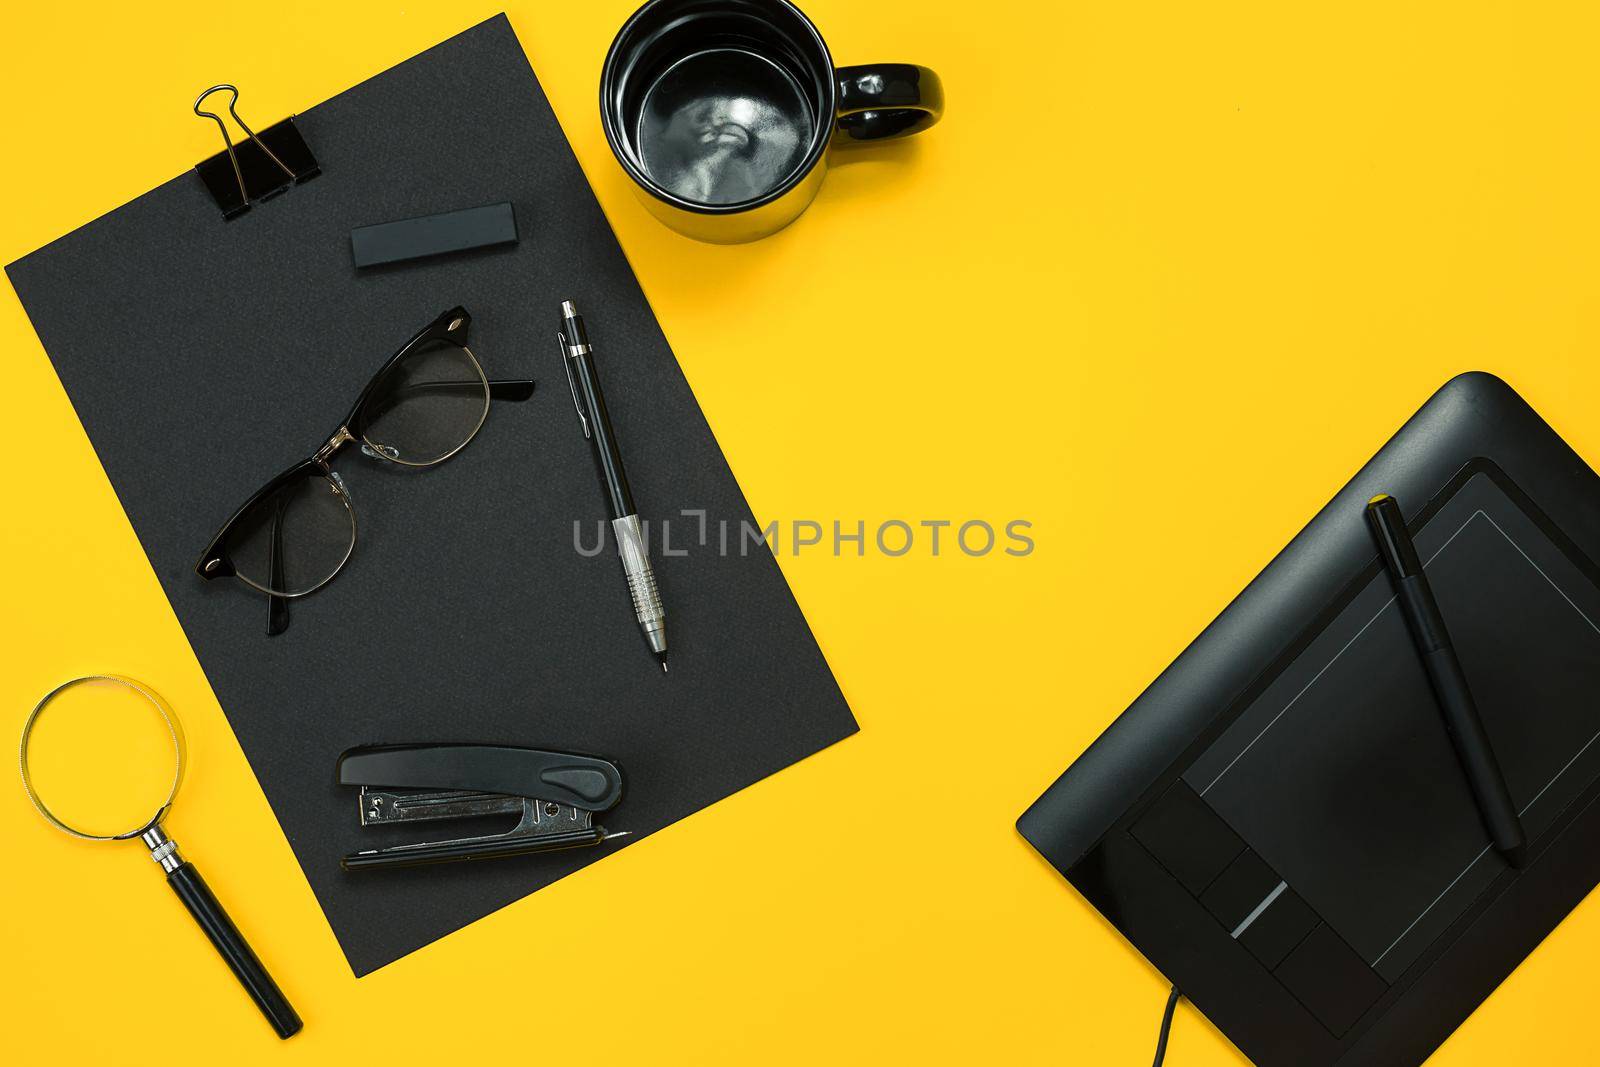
(101, 758)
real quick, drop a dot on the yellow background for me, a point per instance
(1237, 243)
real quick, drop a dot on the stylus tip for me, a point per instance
(663, 665)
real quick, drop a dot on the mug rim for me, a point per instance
(821, 136)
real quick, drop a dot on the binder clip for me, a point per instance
(554, 796)
(260, 167)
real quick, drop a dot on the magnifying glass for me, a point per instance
(67, 759)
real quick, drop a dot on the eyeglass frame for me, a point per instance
(451, 327)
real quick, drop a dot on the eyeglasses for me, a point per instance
(429, 400)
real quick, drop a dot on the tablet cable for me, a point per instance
(1166, 1026)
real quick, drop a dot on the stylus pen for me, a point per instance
(1449, 682)
(577, 357)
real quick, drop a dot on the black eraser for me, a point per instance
(434, 235)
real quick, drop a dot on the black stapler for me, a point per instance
(554, 794)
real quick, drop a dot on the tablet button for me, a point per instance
(1188, 838)
(1327, 976)
(1240, 890)
(1278, 929)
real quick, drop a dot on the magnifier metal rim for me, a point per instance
(166, 717)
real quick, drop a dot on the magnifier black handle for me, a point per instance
(202, 904)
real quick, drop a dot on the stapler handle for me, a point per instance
(582, 782)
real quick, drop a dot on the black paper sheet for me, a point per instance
(204, 356)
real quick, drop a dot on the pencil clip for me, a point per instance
(566, 365)
(260, 167)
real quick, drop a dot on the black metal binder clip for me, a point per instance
(554, 795)
(260, 167)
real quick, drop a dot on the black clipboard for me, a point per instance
(204, 355)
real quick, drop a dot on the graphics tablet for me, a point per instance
(1279, 823)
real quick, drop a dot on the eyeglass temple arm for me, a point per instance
(277, 606)
(499, 388)
(511, 388)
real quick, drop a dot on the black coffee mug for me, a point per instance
(723, 111)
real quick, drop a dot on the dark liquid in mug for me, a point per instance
(723, 126)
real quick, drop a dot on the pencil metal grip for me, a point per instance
(647, 607)
(231, 945)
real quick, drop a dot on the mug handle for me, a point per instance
(882, 100)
